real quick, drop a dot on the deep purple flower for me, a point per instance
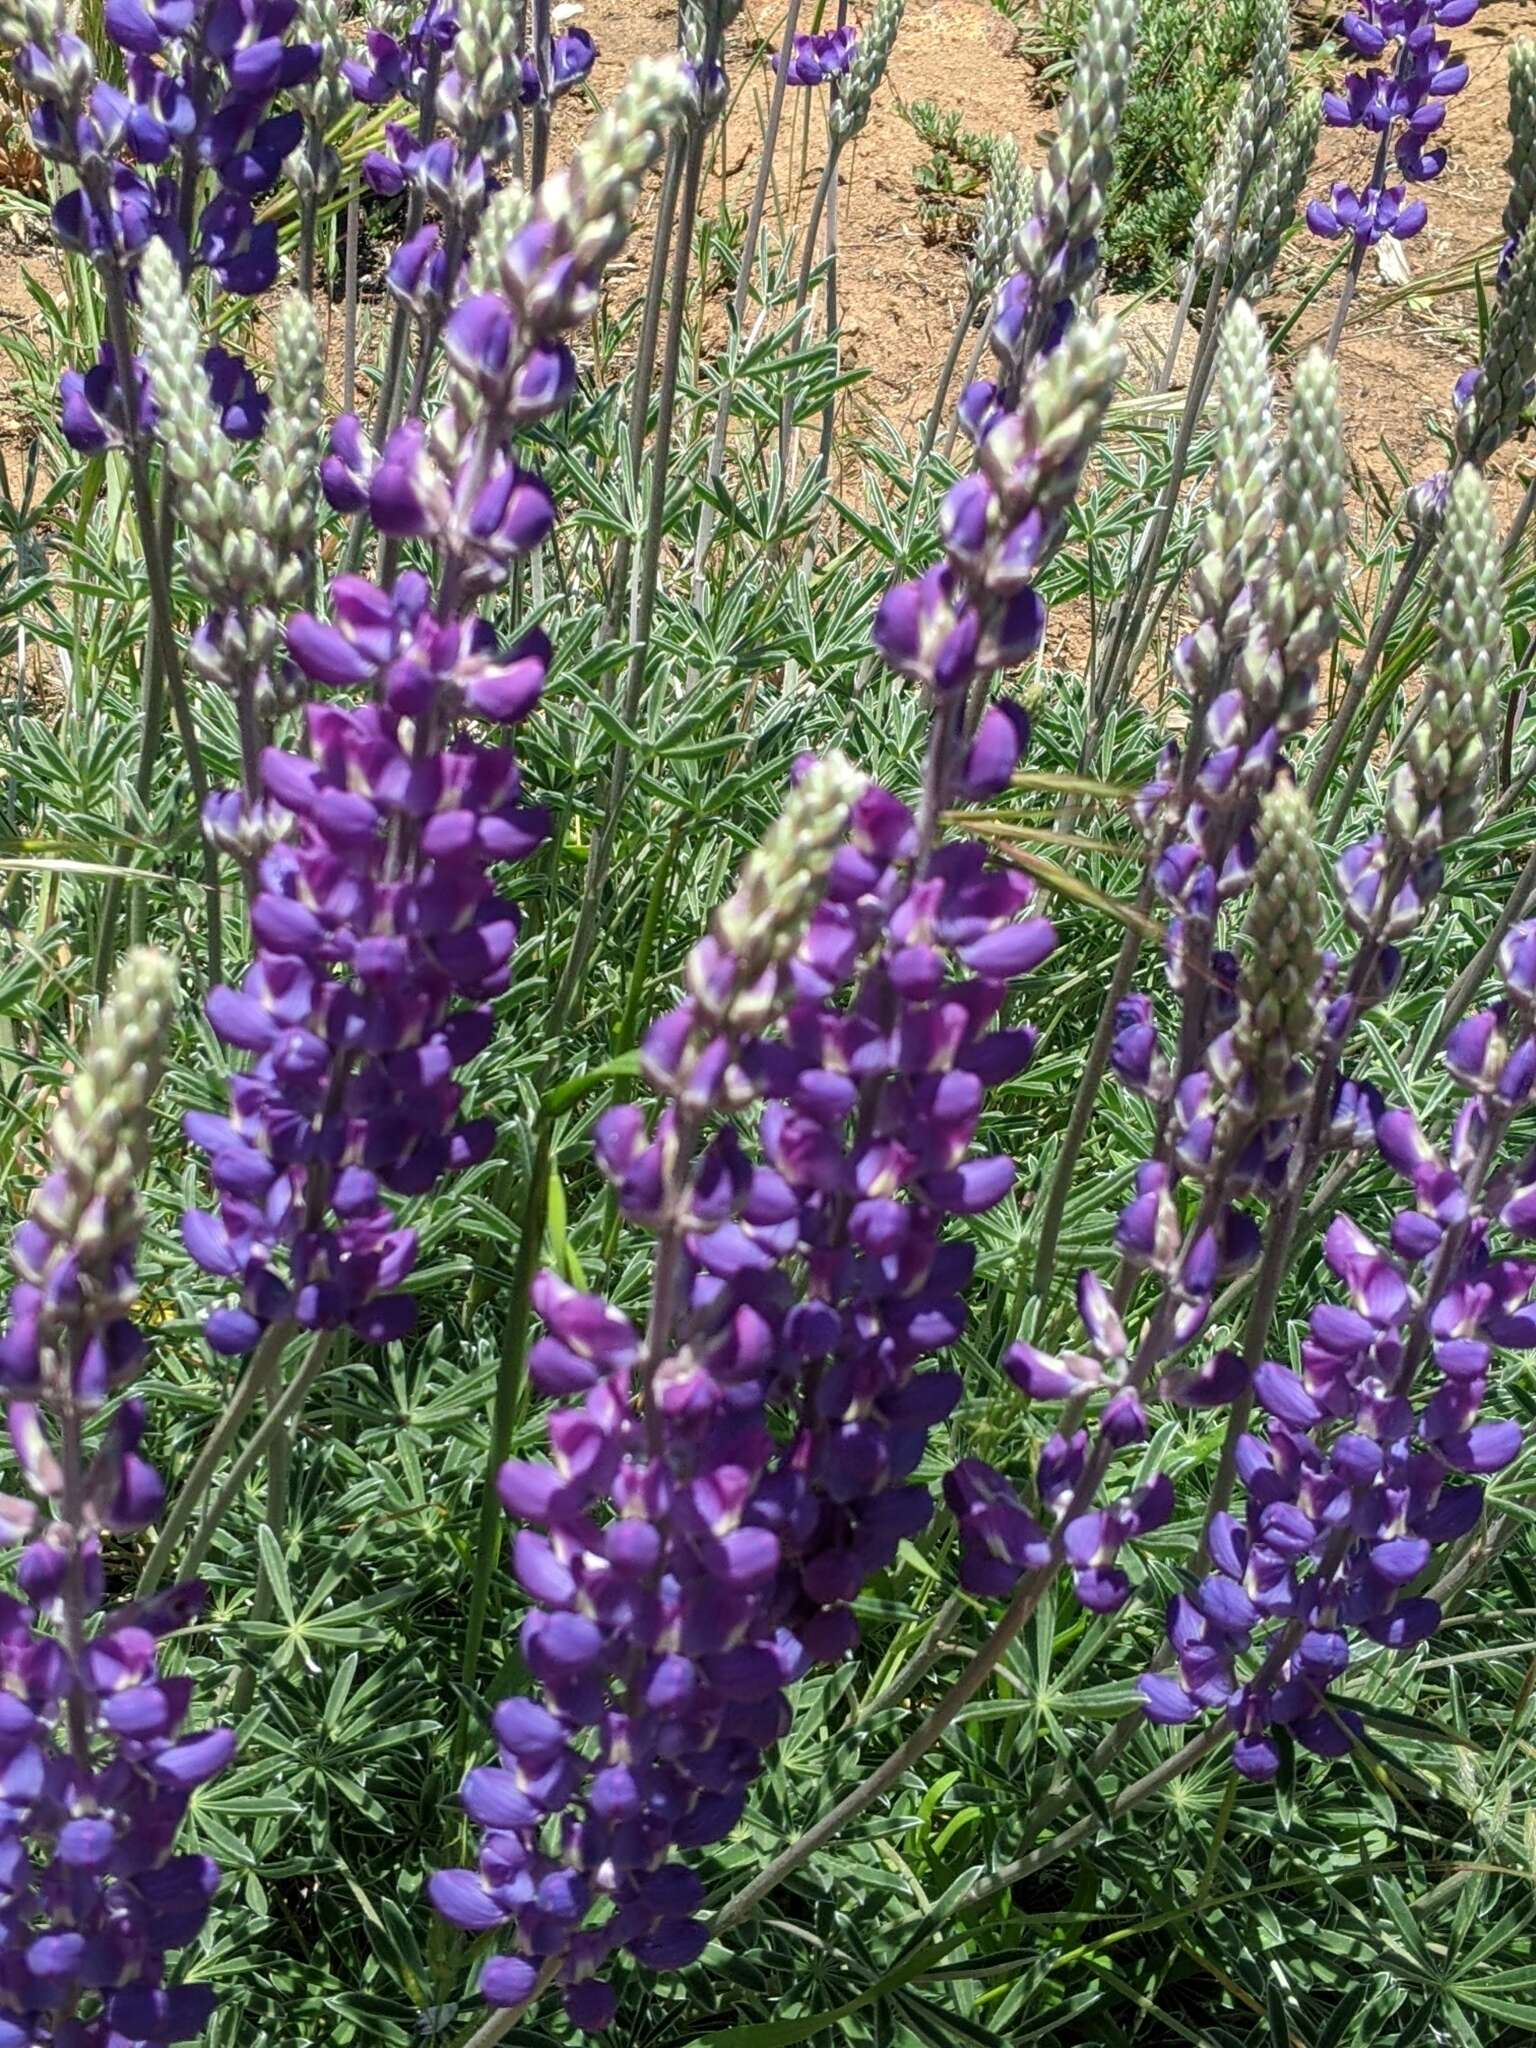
(817, 58)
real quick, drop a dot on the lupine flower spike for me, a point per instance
(99, 1766)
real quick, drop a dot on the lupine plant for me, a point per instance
(968, 1479)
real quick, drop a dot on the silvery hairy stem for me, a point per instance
(621, 584)
(746, 264)
(153, 539)
(1465, 986)
(541, 58)
(1176, 332)
(259, 1376)
(400, 326)
(501, 2023)
(284, 1410)
(595, 881)
(969, 307)
(349, 300)
(1257, 117)
(1365, 669)
(824, 187)
(1054, 1203)
(1126, 627)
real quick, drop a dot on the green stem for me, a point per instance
(284, 1409)
(739, 296)
(279, 1470)
(803, 282)
(510, 1385)
(962, 328)
(157, 574)
(1362, 673)
(254, 1382)
(1053, 1208)
(643, 599)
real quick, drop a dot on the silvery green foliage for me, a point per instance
(998, 221)
(1241, 507)
(1521, 203)
(1296, 620)
(1279, 179)
(1498, 399)
(850, 107)
(1057, 247)
(1278, 1020)
(1433, 795)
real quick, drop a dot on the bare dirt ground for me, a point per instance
(1400, 355)
(900, 296)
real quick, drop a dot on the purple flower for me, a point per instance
(687, 1561)
(1360, 1469)
(815, 59)
(99, 1763)
(1405, 99)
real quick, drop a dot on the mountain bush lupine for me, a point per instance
(97, 1772)
(380, 936)
(817, 1283)
(1358, 1474)
(1403, 105)
(1387, 883)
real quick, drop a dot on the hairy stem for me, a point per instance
(259, 1375)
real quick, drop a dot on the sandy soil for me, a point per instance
(900, 296)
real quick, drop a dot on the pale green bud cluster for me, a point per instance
(1270, 82)
(1433, 795)
(1057, 247)
(88, 1203)
(1213, 223)
(1494, 410)
(872, 53)
(508, 208)
(1034, 456)
(590, 203)
(1278, 1007)
(763, 921)
(1521, 203)
(1279, 179)
(487, 70)
(248, 546)
(1296, 621)
(998, 220)
(284, 503)
(227, 559)
(45, 25)
(322, 100)
(1240, 510)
